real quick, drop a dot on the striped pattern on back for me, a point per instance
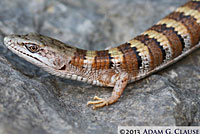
(170, 37)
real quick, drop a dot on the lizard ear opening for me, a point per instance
(63, 67)
(33, 48)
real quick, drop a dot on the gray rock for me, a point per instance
(33, 101)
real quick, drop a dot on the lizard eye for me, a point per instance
(32, 48)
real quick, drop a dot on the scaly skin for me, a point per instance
(169, 40)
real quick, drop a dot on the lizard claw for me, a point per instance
(97, 98)
(99, 102)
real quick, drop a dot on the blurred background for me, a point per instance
(33, 101)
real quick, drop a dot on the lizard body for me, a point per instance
(172, 38)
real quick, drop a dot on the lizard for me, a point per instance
(167, 41)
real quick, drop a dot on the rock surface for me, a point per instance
(33, 101)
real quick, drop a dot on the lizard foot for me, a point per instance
(99, 102)
(120, 84)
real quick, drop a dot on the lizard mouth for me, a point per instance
(12, 47)
(11, 44)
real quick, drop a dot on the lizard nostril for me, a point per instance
(7, 40)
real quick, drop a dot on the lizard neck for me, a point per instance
(91, 60)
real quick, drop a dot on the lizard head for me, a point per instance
(40, 50)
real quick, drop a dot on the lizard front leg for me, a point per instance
(120, 81)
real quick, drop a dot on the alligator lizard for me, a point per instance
(164, 43)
